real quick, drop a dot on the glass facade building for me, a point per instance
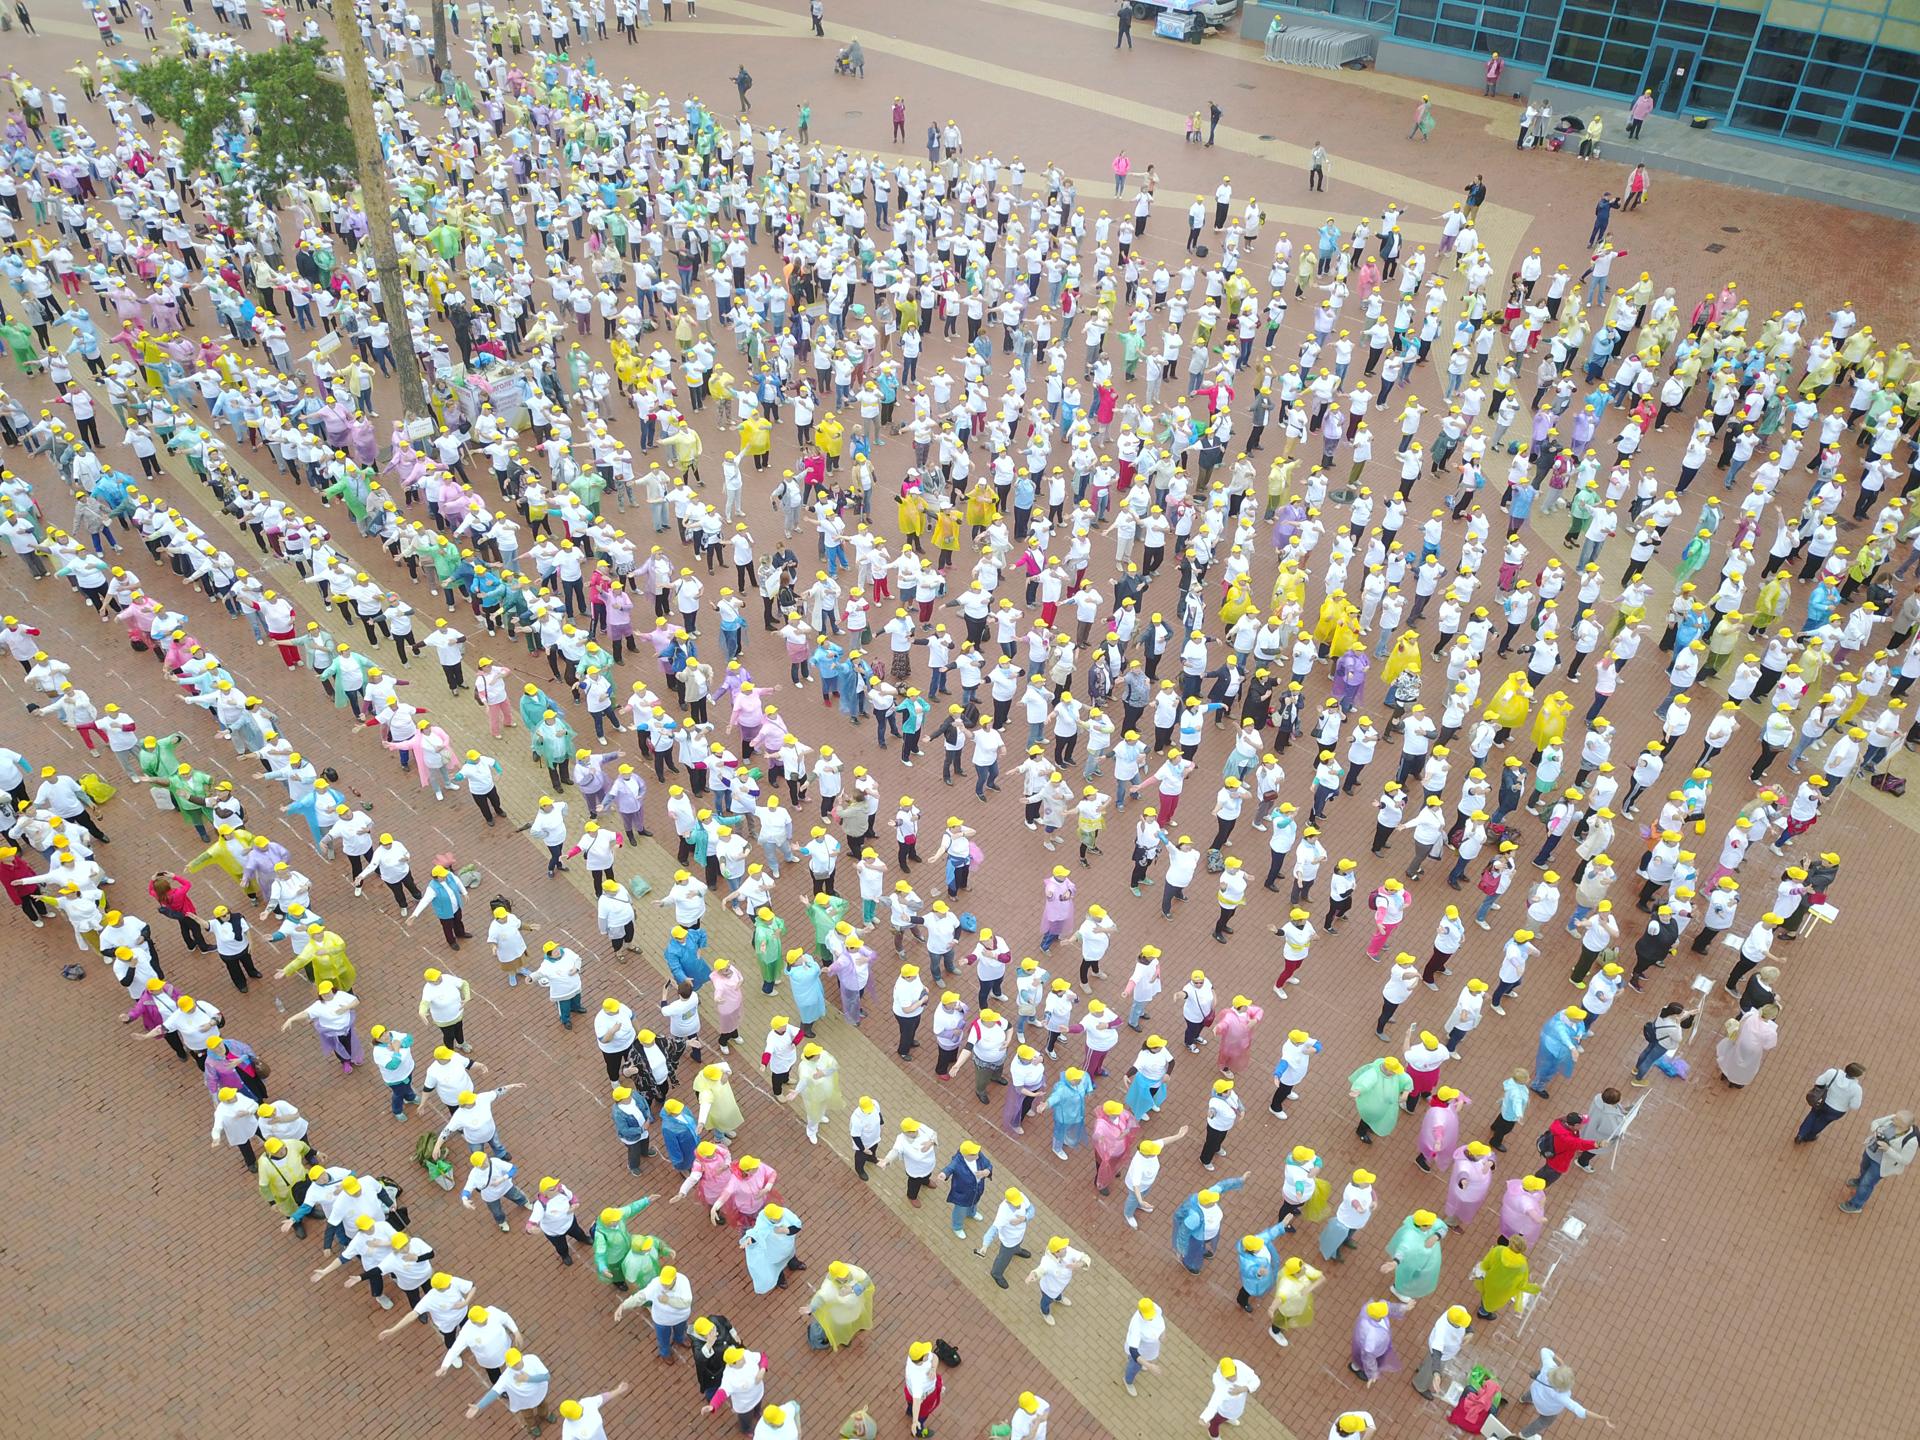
(1835, 75)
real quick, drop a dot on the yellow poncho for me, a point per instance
(1404, 655)
(843, 1308)
(1510, 703)
(1550, 725)
(1236, 603)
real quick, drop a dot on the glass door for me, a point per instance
(1670, 75)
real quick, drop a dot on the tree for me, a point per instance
(307, 124)
(442, 46)
(299, 122)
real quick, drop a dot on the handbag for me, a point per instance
(1817, 1096)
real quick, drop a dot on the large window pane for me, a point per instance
(1618, 82)
(1788, 42)
(1780, 68)
(1841, 80)
(1767, 93)
(1710, 99)
(1871, 142)
(1584, 22)
(1811, 102)
(1458, 37)
(1812, 130)
(1756, 118)
(1879, 116)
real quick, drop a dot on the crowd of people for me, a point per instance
(1123, 533)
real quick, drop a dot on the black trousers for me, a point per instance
(240, 969)
(1211, 1146)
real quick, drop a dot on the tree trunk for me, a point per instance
(442, 46)
(379, 210)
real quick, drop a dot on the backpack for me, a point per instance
(946, 1354)
(1545, 1143)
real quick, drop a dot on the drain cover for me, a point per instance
(1715, 248)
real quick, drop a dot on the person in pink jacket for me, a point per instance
(1468, 1181)
(1233, 1028)
(1523, 1208)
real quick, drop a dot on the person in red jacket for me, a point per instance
(1564, 1136)
(18, 877)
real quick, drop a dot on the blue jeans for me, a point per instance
(1046, 1300)
(983, 776)
(1486, 907)
(1128, 1209)
(1133, 1366)
(1863, 1183)
(499, 1211)
(961, 1214)
(568, 1008)
(1649, 1057)
(401, 1095)
(668, 1336)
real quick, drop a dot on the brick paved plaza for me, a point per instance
(1711, 1288)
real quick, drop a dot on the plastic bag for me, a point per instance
(97, 790)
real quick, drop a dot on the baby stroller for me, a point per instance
(851, 60)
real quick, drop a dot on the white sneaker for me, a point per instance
(1277, 1338)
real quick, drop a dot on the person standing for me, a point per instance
(1664, 1035)
(443, 1003)
(1233, 1382)
(1890, 1150)
(1124, 14)
(1055, 1272)
(1008, 1229)
(1835, 1093)
(1377, 1090)
(1145, 1329)
(1449, 1332)
(1551, 1395)
(917, 1148)
(921, 1384)
(524, 1384)
(553, 1215)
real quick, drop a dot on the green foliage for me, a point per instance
(301, 110)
